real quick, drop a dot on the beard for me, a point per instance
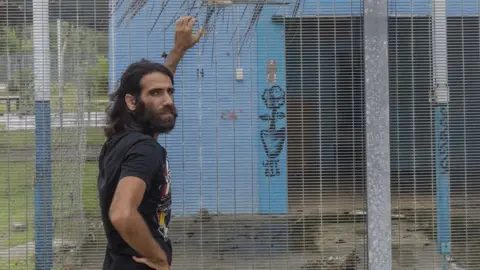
(155, 121)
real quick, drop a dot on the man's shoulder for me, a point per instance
(132, 138)
(137, 139)
(133, 141)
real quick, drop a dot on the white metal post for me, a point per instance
(377, 134)
(43, 183)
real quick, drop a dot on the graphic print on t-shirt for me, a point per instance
(164, 208)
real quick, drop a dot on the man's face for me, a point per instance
(155, 108)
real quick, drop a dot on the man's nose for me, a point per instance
(168, 100)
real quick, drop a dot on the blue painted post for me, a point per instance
(440, 100)
(442, 178)
(273, 187)
(43, 183)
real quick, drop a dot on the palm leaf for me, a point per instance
(212, 9)
(296, 7)
(158, 16)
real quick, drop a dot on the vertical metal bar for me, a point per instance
(43, 183)
(440, 101)
(111, 48)
(60, 64)
(377, 134)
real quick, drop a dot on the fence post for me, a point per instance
(377, 134)
(111, 49)
(439, 101)
(43, 183)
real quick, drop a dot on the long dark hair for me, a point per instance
(119, 118)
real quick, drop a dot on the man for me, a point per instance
(134, 178)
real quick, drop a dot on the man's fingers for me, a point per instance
(182, 21)
(191, 22)
(186, 20)
(139, 260)
(179, 23)
(199, 34)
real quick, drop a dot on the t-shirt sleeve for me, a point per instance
(143, 160)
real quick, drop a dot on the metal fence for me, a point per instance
(312, 134)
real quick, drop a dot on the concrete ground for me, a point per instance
(327, 233)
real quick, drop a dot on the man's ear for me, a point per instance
(130, 101)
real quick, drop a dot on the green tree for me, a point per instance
(99, 73)
(17, 40)
(22, 85)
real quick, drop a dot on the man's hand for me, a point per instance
(155, 265)
(184, 38)
(124, 213)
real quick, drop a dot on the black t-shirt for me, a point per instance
(139, 155)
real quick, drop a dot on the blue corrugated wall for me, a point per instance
(214, 158)
(219, 163)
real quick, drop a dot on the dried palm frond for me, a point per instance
(213, 9)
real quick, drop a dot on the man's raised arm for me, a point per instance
(184, 40)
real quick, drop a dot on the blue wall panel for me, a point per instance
(272, 106)
(212, 158)
(219, 164)
(395, 7)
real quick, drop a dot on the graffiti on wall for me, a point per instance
(231, 115)
(273, 138)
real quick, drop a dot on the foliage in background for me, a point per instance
(17, 40)
(20, 40)
(22, 85)
(99, 74)
(85, 70)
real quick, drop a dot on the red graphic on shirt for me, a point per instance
(163, 212)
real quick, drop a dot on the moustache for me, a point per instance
(168, 109)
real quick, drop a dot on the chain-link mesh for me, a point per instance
(269, 154)
(76, 97)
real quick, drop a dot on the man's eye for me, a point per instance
(171, 91)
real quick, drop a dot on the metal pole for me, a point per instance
(43, 183)
(60, 63)
(377, 134)
(440, 101)
(111, 49)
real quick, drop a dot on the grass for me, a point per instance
(17, 202)
(71, 194)
(23, 264)
(21, 139)
(17, 194)
(3, 108)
